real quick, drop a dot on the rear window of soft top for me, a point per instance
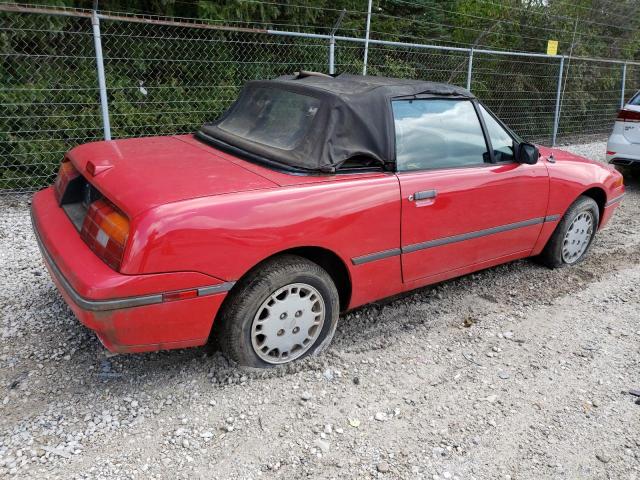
(273, 117)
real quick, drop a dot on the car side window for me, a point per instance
(501, 141)
(437, 133)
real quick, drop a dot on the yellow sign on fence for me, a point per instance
(552, 47)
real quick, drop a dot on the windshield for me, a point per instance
(273, 117)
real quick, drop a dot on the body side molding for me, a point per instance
(371, 257)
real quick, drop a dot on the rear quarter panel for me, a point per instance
(227, 235)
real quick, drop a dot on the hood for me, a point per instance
(564, 156)
(141, 173)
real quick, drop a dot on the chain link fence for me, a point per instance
(48, 95)
(167, 77)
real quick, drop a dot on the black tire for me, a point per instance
(552, 255)
(240, 308)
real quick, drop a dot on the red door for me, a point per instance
(465, 200)
(466, 216)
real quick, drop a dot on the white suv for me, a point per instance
(623, 148)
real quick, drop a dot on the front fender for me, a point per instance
(571, 176)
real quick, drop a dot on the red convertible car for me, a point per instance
(310, 196)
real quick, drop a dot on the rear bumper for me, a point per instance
(623, 151)
(624, 161)
(127, 312)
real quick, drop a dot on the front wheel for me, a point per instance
(574, 234)
(284, 310)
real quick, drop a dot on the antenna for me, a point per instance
(336, 26)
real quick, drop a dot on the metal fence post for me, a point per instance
(102, 84)
(332, 53)
(470, 69)
(366, 40)
(332, 42)
(624, 82)
(556, 118)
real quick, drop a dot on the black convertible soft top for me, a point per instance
(316, 122)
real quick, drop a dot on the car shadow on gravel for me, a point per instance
(366, 329)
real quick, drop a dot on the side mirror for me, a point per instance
(528, 153)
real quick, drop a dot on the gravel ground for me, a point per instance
(516, 372)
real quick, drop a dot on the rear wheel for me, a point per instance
(284, 310)
(574, 234)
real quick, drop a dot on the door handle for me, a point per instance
(423, 195)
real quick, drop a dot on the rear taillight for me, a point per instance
(66, 173)
(628, 116)
(105, 230)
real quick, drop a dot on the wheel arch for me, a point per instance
(599, 195)
(333, 264)
(325, 258)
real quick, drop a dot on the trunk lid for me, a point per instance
(141, 173)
